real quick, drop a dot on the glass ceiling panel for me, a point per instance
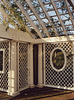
(45, 20)
(65, 17)
(46, 1)
(60, 4)
(68, 28)
(42, 15)
(38, 9)
(35, 3)
(51, 13)
(67, 22)
(63, 11)
(48, 7)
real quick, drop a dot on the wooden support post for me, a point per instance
(40, 78)
(13, 71)
(31, 81)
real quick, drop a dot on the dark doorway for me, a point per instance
(35, 63)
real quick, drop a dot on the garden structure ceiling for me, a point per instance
(40, 18)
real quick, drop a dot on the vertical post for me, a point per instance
(40, 78)
(73, 63)
(13, 72)
(31, 81)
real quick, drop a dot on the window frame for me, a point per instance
(65, 58)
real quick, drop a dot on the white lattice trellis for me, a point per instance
(23, 66)
(4, 75)
(63, 78)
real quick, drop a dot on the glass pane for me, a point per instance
(60, 4)
(52, 13)
(48, 7)
(63, 11)
(58, 59)
(46, 1)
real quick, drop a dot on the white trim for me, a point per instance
(3, 60)
(28, 63)
(9, 82)
(58, 70)
(54, 39)
(3, 90)
(73, 62)
(18, 66)
(44, 61)
(59, 87)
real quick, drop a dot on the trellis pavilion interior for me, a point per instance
(36, 44)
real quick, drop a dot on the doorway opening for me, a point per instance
(35, 63)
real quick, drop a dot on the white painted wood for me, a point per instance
(69, 12)
(59, 19)
(31, 80)
(39, 19)
(28, 17)
(14, 34)
(13, 72)
(41, 4)
(4, 13)
(40, 71)
(54, 39)
(44, 62)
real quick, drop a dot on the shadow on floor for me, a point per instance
(39, 93)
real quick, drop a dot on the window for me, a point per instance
(58, 59)
(1, 61)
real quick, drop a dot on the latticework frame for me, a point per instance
(64, 78)
(23, 66)
(4, 76)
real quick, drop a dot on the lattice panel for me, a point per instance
(63, 78)
(4, 76)
(23, 65)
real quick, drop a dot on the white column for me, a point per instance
(40, 78)
(13, 71)
(31, 81)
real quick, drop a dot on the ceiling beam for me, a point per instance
(47, 16)
(54, 39)
(39, 19)
(13, 34)
(28, 18)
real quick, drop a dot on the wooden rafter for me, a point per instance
(39, 19)
(60, 19)
(69, 12)
(47, 16)
(28, 18)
